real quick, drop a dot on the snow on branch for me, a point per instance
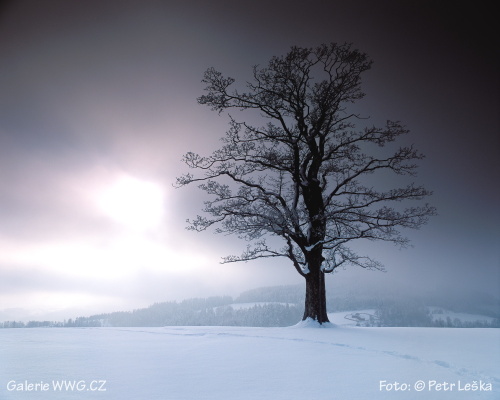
(299, 175)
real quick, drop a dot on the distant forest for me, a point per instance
(283, 306)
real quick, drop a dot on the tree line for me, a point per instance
(282, 306)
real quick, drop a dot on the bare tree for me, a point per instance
(302, 175)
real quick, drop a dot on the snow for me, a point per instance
(311, 323)
(305, 268)
(218, 363)
(312, 246)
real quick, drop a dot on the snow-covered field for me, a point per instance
(219, 363)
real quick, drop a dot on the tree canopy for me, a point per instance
(304, 172)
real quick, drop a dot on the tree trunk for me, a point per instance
(315, 305)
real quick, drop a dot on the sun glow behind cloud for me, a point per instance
(132, 202)
(131, 238)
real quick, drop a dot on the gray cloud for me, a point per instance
(90, 90)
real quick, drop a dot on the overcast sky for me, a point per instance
(98, 105)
